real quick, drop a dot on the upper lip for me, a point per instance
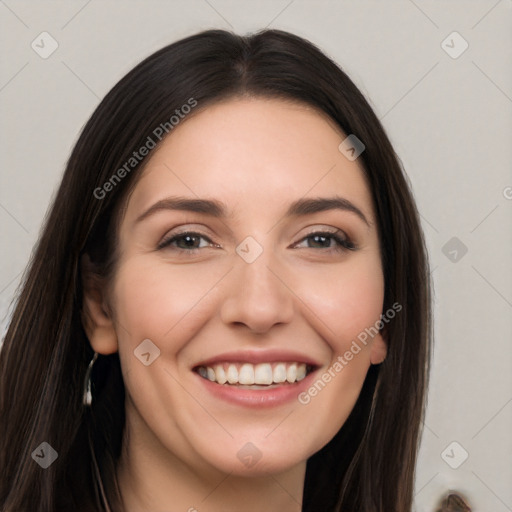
(258, 356)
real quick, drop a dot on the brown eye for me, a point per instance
(327, 240)
(186, 241)
(320, 241)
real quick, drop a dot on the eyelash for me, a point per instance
(343, 243)
(166, 242)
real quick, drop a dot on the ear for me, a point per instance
(379, 348)
(96, 318)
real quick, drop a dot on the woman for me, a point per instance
(234, 267)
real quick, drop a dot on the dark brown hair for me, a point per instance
(369, 465)
(453, 502)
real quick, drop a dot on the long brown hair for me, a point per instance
(369, 465)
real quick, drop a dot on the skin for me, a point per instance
(256, 156)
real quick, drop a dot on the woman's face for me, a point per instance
(248, 251)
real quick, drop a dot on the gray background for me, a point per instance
(449, 119)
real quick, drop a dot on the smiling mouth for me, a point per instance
(255, 376)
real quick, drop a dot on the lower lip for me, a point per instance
(257, 397)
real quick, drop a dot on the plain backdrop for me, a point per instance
(447, 109)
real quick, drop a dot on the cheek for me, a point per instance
(165, 304)
(347, 300)
(168, 306)
(344, 303)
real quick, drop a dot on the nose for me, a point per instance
(258, 296)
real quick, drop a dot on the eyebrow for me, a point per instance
(206, 206)
(213, 208)
(322, 204)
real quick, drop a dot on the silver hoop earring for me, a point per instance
(87, 396)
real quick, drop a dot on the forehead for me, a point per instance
(247, 152)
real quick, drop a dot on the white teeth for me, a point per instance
(263, 374)
(220, 374)
(301, 371)
(280, 373)
(232, 374)
(246, 374)
(291, 373)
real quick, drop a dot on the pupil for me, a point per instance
(189, 241)
(321, 240)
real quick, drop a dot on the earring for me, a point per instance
(87, 396)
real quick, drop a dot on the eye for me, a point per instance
(336, 241)
(187, 241)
